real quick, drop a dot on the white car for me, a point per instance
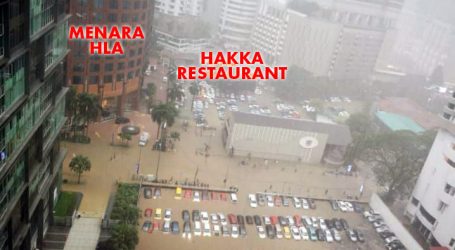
(305, 204)
(214, 218)
(253, 201)
(235, 231)
(322, 224)
(234, 198)
(216, 230)
(342, 206)
(307, 220)
(204, 217)
(290, 220)
(143, 139)
(297, 203)
(197, 228)
(206, 231)
(349, 206)
(196, 196)
(304, 233)
(270, 201)
(336, 235)
(314, 221)
(328, 236)
(167, 214)
(295, 233)
(261, 232)
(267, 220)
(222, 219)
(279, 231)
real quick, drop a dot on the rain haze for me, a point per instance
(227, 124)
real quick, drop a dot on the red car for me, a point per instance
(232, 219)
(298, 220)
(215, 196)
(148, 212)
(155, 225)
(274, 220)
(223, 196)
(187, 194)
(277, 201)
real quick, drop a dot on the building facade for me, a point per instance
(270, 29)
(180, 7)
(431, 207)
(277, 138)
(236, 22)
(115, 79)
(340, 40)
(32, 112)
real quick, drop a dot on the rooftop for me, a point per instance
(396, 122)
(337, 134)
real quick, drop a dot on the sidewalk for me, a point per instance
(84, 234)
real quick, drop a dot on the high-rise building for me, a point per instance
(33, 46)
(115, 79)
(237, 21)
(338, 39)
(430, 207)
(180, 7)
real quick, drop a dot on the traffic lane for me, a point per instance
(252, 241)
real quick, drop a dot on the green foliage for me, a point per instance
(65, 204)
(361, 127)
(151, 91)
(125, 137)
(80, 164)
(81, 108)
(175, 93)
(397, 158)
(175, 136)
(164, 113)
(124, 237)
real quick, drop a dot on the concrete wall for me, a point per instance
(274, 143)
(394, 224)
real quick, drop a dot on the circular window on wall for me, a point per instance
(308, 142)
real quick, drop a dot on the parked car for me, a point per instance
(334, 205)
(336, 235)
(330, 224)
(148, 193)
(295, 233)
(214, 218)
(359, 236)
(166, 227)
(320, 234)
(167, 214)
(351, 235)
(148, 212)
(297, 203)
(312, 203)
(285, 201)
(304, 233)
(146, 226)
(235, 231)
(157, 193)
(270, 201)
(187, 230)
(257, 220)
(175, 227)
(297, 220)
(261, 200)
(345, 224)
(185, 215)
(286, 232)
(196, 196)
(253, 200)
(328, 235)
(206, 229)
(197, 228)
(277, 200)
(234, 197)
(282, 220)
(312, 233)
(242, 231)
(322, 224)
(232, 219)
(261, 232)
(143, 139)
(278, 231)
(225, 231)
(274, 220)
(216, 230)
(338, 225)
(240, 220)
(267, 220)
(305, 204)
(157, 214)
(196, 215)
(204, 217)
(223, 220)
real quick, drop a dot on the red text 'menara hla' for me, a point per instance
(101, 37)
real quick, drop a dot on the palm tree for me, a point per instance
(164, 113)
(174, 93)
(80, 164)
(194, 90)
(151, 90)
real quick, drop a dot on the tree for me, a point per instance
(124, 236)
(164, 113)
(194, 91)
(175, 136)
(174, 93)
(80, 164)
(397, 158)
(125, 137)
(361, 128)
(151, 91)
(88, 106)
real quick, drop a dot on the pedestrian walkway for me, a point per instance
(84, 234)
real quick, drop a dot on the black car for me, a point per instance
(196, 215)
(329, 223)
(261, 200)
(121, 120)
(334, 205)
(338, 225)
(386, 234)
(312, 203)
(270, 230)
(249, 220)
(175, 227)
(257, 220)
(396, 245)
(283, 221)
(320, 234)
(357, 207)
(242, 230)
(187, 227)
(345, 224)
(359, 235)
(240, 219)
(148, 193)
(185, 215)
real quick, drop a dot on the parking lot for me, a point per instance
(323, 209)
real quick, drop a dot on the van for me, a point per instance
(234, 197)
(143, 139)
(178, 193)
(164, 78)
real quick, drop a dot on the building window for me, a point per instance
(442, 206)
(137, 5)
(77, 80)
(130, 64)
(94, 79)
(120, 65)
(427, 215)
(99, 3)
(113, 17)
(449, 190)
(78, 68)
(126, 4)
(107, 78)
(450, 162)
(94, 67)
(130, 75)
(414, 201)
(108, 67)
(119, 77)
(113, 4)
(124, 17)
(138, 62)
(452, 242)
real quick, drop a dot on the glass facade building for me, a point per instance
(33, 50)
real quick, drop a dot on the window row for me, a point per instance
(95, 79)
(108, 67)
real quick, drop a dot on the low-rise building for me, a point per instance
(275, 138)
